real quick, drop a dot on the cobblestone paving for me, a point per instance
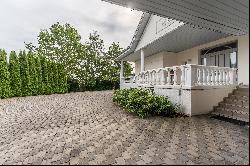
(87, 128)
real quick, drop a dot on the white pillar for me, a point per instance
(142, 60)
(121, 71)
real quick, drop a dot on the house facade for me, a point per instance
(195, 64)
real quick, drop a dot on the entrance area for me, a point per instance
(221, 56)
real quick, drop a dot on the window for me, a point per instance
(233, 59)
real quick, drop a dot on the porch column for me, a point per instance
(121, 71)
(142, 60)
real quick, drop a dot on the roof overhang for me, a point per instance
(229, 17)
(180, 39)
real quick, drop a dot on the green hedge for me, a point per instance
(5, 90)
(143, 102)
(30, 74)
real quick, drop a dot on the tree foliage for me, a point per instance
(25, 74)
(88, 63)
(33, 74)
(15, 77)
(29, 74)
(39, 75)
(5, 90)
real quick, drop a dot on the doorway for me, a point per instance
(222, 56)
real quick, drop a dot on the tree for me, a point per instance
(55, 77)
(50, 77)
(113, 67)
(39, 75)
(5, 90)
(61, 43)
(33, 73)
(25, 74)
(15, 77)
(89, 64)
(45, 77)
(62, 79)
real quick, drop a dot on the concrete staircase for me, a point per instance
(234, 107)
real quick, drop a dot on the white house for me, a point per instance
(194, 52)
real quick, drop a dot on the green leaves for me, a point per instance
(30, 74)
(25, 74)
(15, 76)
(88, 63)
(5, 90)
(144, 102)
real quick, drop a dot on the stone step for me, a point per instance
(238, 97)
(239, 102)
(234, 106)
(241, 93)
(244, 89)
(232, 114)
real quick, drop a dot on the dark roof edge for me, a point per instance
(137, 36)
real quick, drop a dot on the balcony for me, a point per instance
(184, 77)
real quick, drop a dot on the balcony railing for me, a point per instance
(186, 76)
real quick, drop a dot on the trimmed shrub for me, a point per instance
(50, 77)
(62, 79)
(25, 75)
(5, 90)
(45, 77)
(39, 75)
(15, 77)
(144, 102)
(54, 83)
(33, 74)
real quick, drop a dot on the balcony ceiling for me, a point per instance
(176, 41)
(226, 16)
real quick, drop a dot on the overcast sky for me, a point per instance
(22, 20)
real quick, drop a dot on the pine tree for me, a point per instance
(45, 78)
(15, 77)
(5, 90)
(24, 71)
(39, 75)
(33, 73)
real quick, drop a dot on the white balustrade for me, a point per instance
(186, 76)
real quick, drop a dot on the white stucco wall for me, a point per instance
(243, 59)
(195, 101)
(169, 59)
(151, 62)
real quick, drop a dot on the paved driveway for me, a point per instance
(87, 128)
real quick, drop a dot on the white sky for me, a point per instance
(22, 20)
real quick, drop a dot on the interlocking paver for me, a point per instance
(88, 128)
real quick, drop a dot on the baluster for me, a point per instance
(204, 76)
(168, 78)
(213, 77)
(228, 77)
(163, 77)
(208, 76)
(200, 76)
(220, 76)
(175, 75)
(159, 77)
(223, 77)
(152, 77)
(182, 75)
(216, 79)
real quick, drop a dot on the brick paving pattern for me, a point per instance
(87, 128)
